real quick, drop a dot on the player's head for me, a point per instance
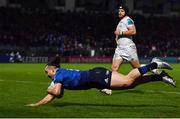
(52, 66)
(123, 11)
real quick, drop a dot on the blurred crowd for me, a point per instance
(42, 32)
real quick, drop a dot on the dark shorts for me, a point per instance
(99, 78)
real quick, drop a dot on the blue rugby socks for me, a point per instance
(147, 68)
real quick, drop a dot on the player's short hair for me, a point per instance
(55, 61)
(125, 8)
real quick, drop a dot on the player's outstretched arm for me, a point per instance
(55, 90)
(48, 98)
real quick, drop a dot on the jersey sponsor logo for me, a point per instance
(106, 80)
(107, 72)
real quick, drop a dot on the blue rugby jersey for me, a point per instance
(70, 78)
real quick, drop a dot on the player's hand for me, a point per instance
(117, 32)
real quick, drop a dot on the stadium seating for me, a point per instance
(43, 32)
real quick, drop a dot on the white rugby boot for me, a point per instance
(161, 64)
(167, 79)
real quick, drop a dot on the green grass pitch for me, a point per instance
(21, 84)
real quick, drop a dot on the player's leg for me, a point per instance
(127, 83)
(116, 63)
(149, 67)
(119, 80)
(135, 63)
(163, 76)
(115, 66)
(145, 79)
(117, 59)
(134, 60)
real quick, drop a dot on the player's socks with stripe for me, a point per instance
(156, 64)
(144, 69)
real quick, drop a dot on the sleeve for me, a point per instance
(62, 89)
(58, 79)
(129, 23)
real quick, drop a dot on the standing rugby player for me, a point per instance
(126, 48)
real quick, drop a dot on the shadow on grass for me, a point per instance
(129, 91)
(135, 91)
(65, 104)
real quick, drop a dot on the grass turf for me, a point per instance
(21, 84)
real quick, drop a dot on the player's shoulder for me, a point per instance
(129, 20)
(126, 18)
(59, 72)
(63, 70)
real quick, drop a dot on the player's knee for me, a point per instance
(135, 64)
(114, 68)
